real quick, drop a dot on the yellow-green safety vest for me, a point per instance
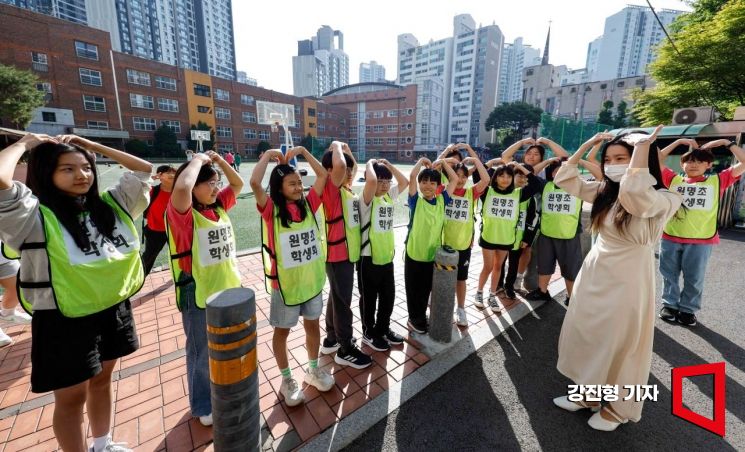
(560, 213)
(214, 266)
(520, 231)
(425, 233)
(380, 235)
(299, 258)
(350, 207)
(699, 220)
(458, 229)
(499, 217)
(76, 274)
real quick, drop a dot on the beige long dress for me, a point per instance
(606, 338)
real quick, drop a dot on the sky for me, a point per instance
(266, 33)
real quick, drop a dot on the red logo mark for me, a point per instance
(716, 425)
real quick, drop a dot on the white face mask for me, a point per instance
(615, 172)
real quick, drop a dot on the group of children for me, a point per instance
(60, 224)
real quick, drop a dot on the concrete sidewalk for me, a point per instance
(150, 390)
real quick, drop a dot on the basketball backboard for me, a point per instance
(274, 113)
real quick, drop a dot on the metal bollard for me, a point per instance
(443, 294)
(231, 338)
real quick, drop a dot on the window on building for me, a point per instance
(248, 116)
(620, 84)
(144, 124)
(224, 132)
(378, 129)
(321, 128)
(39, 61)
(44, 87)
(94, 103)
(175, 126)
(409, 111)
(85, 50)
(136, 77)
(246, 99)
(392, 127)
(311, 125)
(264, 135)
(222, 113)
(141, 101)
(225, 147)
(392, 113)
(90, 77)
(221, 94)
(249, 134)
(165, 104)
(391, 141)
(312, 112)
(164, 82)
(202, 90)
(203, 109)
(353, 116)
(48, 116)
(101, 125)
(603, 85)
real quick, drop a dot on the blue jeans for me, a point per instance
(197, 360)
(691, 260)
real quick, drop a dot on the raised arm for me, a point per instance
(321, 173)
(452, 176)
(128, 161)
(664, 153)
(401, 179)
(591, 157)
(445, 151)
(593, 168)
(345, 148)
(554, 146)
(483, 174)
(737, 151)
(371, 182)
(234, 179)
(508, 153)
(9, 156)
(424, 161)
(181, 194)
(258, 175)
(338, 164)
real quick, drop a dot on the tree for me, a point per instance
(201, 125)
(262, 146)
(312, 144)
(620, 121)
(706, 70)
(18, 95)
(517, 118)
(137, 147)
(605, 116)
(165, 143)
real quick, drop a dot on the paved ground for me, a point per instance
(500, 397)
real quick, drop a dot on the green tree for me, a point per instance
(165, 143)
(18, 95)
(201, 125)
(312, 144)
(137, 147)
(605, 116)
(706, 70)
(620, 120)
(518, 118)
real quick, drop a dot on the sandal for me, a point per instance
(598, 422)
(563, 402)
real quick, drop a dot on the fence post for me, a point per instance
(234, 376)
(443, 294)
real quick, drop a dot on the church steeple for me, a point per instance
(544, 62)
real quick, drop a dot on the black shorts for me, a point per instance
(568, 253)
(66, 351)
(464, 260)
(491, 246)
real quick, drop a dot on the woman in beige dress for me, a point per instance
(606, 338)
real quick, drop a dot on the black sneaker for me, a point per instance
(394, 338)
(352, 357)
(566, 301)
(510, 293)
(538, 295)
(328, 346)
(686, 318)
(421, 329)
(376, 343)
(668, 314)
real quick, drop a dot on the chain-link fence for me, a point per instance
(569, 134)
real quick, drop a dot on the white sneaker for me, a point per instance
(112, 447)
(460, 317)
(518, 282)
(291, 391)
(19, 317)
(206, 420)
(322, 380)
(479, 300)
(5, 340)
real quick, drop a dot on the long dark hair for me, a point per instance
(501, 169)
(275, 192)
(206, 172)
(608, 192)
(68, 209)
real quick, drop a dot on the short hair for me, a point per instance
(541, 150)
(697, 155)
(553, 166)
(454, 153)
(528, 167)
(382, 172)
(165, 169)
(429, 174)
(327, 160)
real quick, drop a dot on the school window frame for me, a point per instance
(135, 77)
(202, 90)
(165, 82)
(224, 131)
(168, 104)
(222, 113)
(249, 117)
(249, 134)
(175, 126)
(94, 103)
(90, 77)
(99, 125)
(247, 100)
(222, 94)
(203, 109)
(141, 101)
(86, 50)
(263, 135)
(48, 116)
(144, 124)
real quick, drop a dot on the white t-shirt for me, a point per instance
(365, 212)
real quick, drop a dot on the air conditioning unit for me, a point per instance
(739, 114)
(693, 115)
